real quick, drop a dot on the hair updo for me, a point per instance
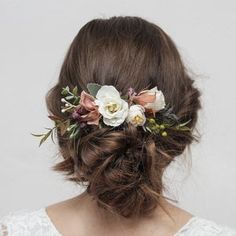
(122, 168)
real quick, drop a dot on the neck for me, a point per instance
(163, 211)
(82, 212)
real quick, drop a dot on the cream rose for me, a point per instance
(136, 115)
(112, 107)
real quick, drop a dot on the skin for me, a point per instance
(80, 216)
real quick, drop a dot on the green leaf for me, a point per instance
(93, 88)
(167, 125)
(149, 129)
(72, 127)
(52, 137)
(125, 97)
(185, 123)
(63, 126)
(37, 135)
(144, 128)
(65, 90)
(185, 128)
(45, 137)
(49, 128)
(76, 102)
(74, 133)
(69, 97)
(75, 90)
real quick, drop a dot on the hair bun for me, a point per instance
(123, 171)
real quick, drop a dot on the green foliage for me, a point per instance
(71, 97)
(93, 88)
(156, 125)
(183, 126)
(63, 125)
(45, 136)
(167, 116)
(75, 90)
(125, 97)
(65, 90)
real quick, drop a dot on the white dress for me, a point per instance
(37, 223)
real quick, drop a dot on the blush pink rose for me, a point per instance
(152, 100)
(87, 110)
(143, 98)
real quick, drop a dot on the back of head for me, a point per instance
(123, 167)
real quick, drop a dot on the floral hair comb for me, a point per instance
(104, 106)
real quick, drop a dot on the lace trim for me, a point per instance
(38, 222)
(198, 225)
(44, 212)
(27, 222)
(186, 225)
(194, 226)
(182, 229)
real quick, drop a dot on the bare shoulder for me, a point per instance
(177, 215)
(68, 215)
(172, 219)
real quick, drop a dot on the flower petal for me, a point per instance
(87, 101)
(144, 98)
(107, 91)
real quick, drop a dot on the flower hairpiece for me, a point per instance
(105, 106)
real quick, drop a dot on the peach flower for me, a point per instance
(152, 100)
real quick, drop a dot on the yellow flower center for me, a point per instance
(112, 107)
(137, 119)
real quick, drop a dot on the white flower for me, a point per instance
(112, 107)
(136, 115)
(159, 102)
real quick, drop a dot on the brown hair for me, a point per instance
(123, 168)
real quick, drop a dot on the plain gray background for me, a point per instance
(34, 38)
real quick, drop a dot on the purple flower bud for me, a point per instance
(82, 124)
(131, 92)
(82, 111)
(75, 115)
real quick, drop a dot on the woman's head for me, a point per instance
(123, 167)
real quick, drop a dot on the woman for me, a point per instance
(124, 108)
